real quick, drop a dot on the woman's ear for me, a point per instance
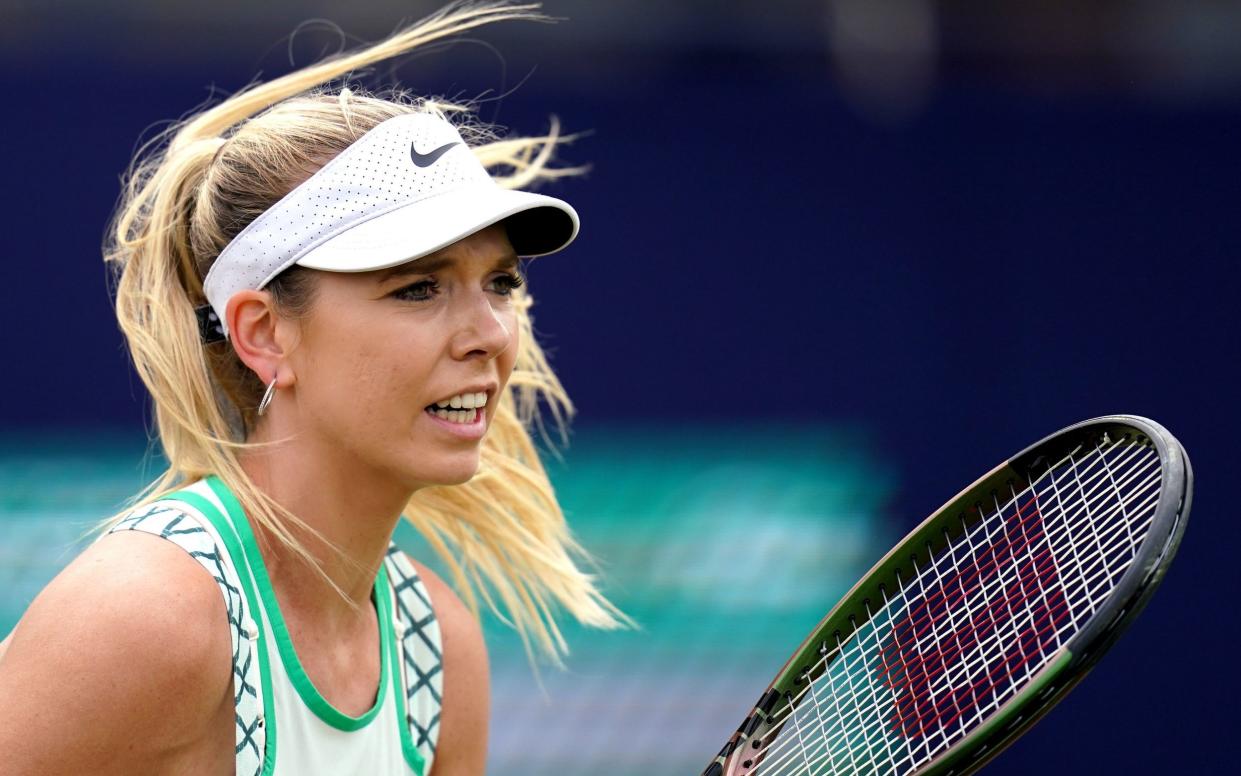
(258, 338)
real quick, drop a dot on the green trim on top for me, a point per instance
(232, 544)
(297, 675)
(413, 757)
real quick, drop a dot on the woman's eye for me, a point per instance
(421, 291)
(508, 282)
(426, 290)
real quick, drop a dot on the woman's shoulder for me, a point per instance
(462, 742)
(455, 618)
(126, 652)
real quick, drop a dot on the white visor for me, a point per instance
(407, 188)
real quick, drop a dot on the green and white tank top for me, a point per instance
(283, 725)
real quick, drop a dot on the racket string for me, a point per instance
(917, 720)
(1091, 477)
(875, 765)
(829, 656)
(1036, 623)
(854, 695)
(836, 702)
(1116, 490)
(876, 631)
(802, 747)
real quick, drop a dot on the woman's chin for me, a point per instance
(461, 478)
(458, 474)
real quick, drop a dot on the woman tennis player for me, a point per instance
(320, 290)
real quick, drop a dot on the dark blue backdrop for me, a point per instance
(1005, 263)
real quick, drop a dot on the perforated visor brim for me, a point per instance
(536, 224)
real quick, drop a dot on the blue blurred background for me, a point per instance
(838, 258)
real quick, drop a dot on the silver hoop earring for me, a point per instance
(267, 397)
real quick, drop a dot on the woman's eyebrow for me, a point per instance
(431, 264)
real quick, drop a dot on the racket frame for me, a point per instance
(961, 513)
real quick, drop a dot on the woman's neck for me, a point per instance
(352, 508)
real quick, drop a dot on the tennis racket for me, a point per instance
(983, 617)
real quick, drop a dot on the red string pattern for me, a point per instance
(962, 640)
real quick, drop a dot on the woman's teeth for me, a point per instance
(462, 408)
(454, 416)
(463, 401)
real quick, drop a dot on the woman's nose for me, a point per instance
(484, 328)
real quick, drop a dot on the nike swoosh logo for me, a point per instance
(428, 159)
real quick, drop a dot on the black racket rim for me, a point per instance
(1162, 540)
(1127, 600)
(1083, 649)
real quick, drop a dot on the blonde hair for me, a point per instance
(190, 190)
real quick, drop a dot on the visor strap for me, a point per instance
(210, 329)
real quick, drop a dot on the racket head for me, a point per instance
(1128, 568)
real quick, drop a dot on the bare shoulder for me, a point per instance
(462, 746)
(119, 664)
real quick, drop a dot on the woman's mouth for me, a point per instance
(464, 423)
(454, 416)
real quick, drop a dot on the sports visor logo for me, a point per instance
(429, 158)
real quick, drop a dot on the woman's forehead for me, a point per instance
(489, 247)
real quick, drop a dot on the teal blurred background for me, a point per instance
(726, 543)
